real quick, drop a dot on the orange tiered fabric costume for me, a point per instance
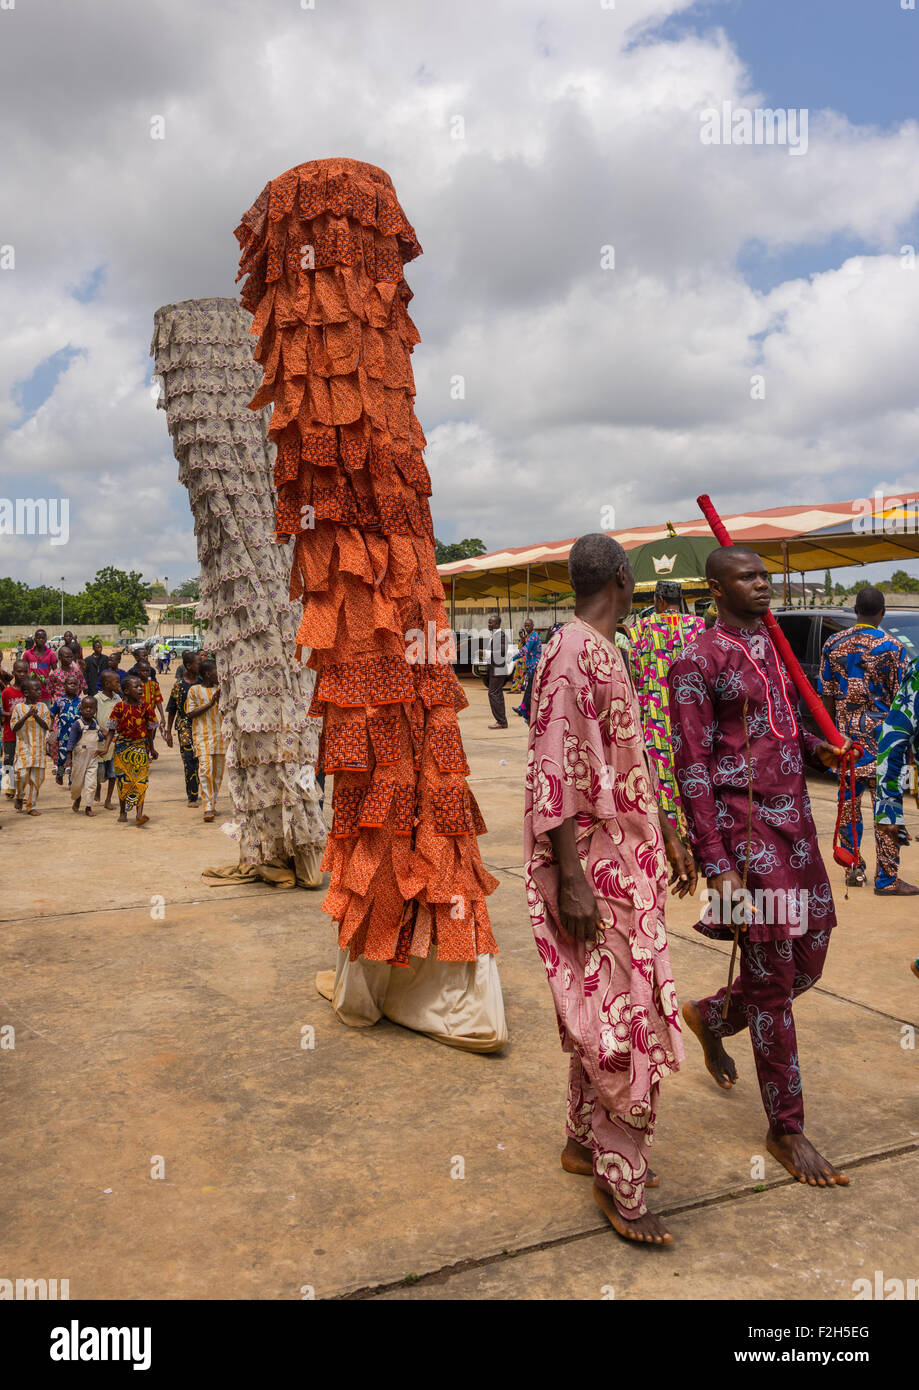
(322, 250)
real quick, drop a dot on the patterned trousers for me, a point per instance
(772, 975)
(619, 1148)
(887, 851)
(189, 757)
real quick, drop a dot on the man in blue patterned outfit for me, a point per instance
(861, 671)
(898, 734)
(739, 754)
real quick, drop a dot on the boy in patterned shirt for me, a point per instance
(203, 709)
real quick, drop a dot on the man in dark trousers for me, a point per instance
(497, 671)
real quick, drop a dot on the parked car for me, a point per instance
(807, 629)
(186, 642)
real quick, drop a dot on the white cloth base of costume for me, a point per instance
(458, 1003)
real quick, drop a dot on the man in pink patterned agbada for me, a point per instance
(596, 847)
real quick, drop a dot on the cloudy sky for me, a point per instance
(607, 284)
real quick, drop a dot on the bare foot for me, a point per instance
(59, 780)
(18, 803)
(76, 807)
(577, 1158)
(644, 1230)
(90, 811)
(142, 820)
(717, 1060)
(123, 818)
(208, 818)
(802, 1160)
(34, 813)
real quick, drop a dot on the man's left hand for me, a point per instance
(830, 755)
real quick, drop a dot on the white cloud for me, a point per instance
(584, 387)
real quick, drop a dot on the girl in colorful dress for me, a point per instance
(131, 727)
(65, 669)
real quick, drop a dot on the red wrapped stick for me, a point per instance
(805, 689)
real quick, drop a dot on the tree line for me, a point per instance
(112, 598)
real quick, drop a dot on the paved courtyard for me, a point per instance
(158, 1029)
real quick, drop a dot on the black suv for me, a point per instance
(807, 629)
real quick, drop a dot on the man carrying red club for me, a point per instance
(739, 754)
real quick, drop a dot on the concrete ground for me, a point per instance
(166, 1135)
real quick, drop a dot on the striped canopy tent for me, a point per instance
(820, 536)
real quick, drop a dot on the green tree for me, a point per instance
(859, 585)
(115, 596)
(827, 583)
(458, 550)
(903, 583)
(189, 588)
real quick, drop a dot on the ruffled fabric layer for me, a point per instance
(203, 356)
(322, 255)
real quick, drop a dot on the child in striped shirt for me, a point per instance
(203, 710)
(30, 721)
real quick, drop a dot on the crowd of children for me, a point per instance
(97, 724)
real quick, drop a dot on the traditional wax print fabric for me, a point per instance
(615, 1000)
(64, 712)
(897, 736)
(58, 678)
(204, 356)
(334, 339)
(731, 681)
(861, 671)
(182, 725)
(658, 639)
(132, 721)
(532, 651)
(733, 720)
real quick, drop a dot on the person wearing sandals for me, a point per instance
(131, 727)
(860, 673)
(30, 721)
(596, 846)
(203, 709)
(898, 735)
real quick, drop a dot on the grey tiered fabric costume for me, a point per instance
(203, 355)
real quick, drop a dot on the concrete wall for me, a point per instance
(85, 631)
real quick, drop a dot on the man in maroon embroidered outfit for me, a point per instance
(733, 721)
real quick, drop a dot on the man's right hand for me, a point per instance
(578, 909)
(727, 886)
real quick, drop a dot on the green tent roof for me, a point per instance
(678, 558)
